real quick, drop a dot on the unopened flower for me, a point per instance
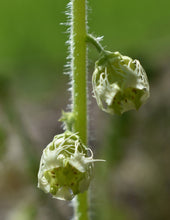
(119, 83)
(65, 167)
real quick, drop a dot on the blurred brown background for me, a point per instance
(134, 182)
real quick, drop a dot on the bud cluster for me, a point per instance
(119, 83)
(65, 168)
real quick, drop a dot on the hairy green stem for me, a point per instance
(79, 91)
(91, 39)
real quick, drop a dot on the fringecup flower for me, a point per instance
(65, 169)
(119, 83)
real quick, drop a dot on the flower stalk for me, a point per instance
(95, 42)
(79, 90)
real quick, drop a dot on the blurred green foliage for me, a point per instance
(32, 41)
(31, 30)
(2, 142)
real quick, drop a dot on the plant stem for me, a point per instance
(79, 91)
(91, 39)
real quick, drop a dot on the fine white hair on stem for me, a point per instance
(68, 66)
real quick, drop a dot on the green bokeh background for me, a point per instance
(134, 182)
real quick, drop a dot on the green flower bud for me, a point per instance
(65, 169)
(119, 83)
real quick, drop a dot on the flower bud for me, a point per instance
(119, 83)
(65, 169)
